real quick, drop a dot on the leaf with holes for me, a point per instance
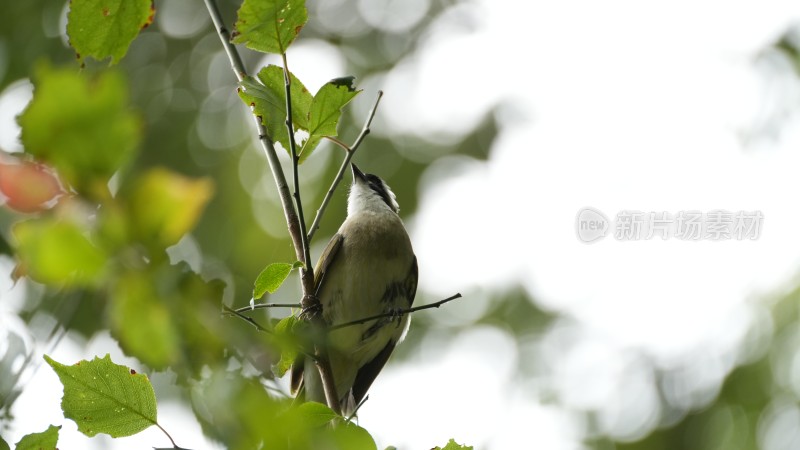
(325, 111)
(106, 28)
(269, 26)
(103, 397)
(268, 100)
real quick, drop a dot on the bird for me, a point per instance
(368, 268)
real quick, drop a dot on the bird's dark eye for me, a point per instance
(376, 184)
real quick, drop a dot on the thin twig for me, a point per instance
(339, 175)
(287, 79)
(395, 313)
(236, 313)
(355, 411)
(244, 309)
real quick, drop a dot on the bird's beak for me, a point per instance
(358, 175)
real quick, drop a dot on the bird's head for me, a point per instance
(369, 193)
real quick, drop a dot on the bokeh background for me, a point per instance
(500, 121)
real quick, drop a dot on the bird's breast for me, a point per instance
(369, 276)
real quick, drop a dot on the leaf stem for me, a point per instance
(350, 151)
(174, 445)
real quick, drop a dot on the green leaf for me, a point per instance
(268, 100)
(106, 28)
(272, 277)
(4, 444)
(287, 341)
(326, 109)
(353, 437)
(81, 125)
(142, 322)
(103, 397)
(318, 115)
(250, 418)
(452, 445)
(269, 26)
(165, 205)
(46, 440)
(54, 251)
(315, 414)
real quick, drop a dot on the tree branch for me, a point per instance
(339, 175)
(225, 37)
(237, 313)
(395, 313)
(292, 221)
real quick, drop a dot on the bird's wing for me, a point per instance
(369, 371)
(326, 259)
(324, 263)
(411, 282)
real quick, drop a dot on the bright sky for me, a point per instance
(615, 105)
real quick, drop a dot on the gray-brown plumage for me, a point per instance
(368, 268)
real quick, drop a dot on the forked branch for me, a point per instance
(293, 220)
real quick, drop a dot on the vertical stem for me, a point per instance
(293, 220)
(310, 301)
(287, 79)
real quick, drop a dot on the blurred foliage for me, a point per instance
(82, 127)
(746, 415)
(45, 440)
(453, 445)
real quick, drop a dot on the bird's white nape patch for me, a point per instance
(392, 197)
(363, 197)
